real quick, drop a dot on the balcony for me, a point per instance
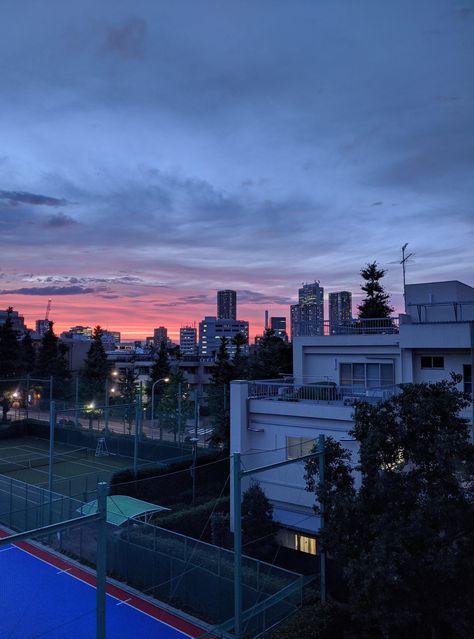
(325, 393)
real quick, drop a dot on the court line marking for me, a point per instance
(89, 580)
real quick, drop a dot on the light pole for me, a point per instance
(163, 379)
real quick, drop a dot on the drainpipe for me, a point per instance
(471, 326)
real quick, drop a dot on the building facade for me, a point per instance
(160, 334)
(188, 340)
(274, 421)
(227, 304)
(212, 330)
(307, 316)
(340, 310)
(278, 325)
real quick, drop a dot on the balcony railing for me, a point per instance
(327, 393)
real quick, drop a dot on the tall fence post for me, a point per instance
(237, 547)
(101, 559)
(138, 409)
(322, 508)
(52, 419)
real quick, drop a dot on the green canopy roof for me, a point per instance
(122, 507)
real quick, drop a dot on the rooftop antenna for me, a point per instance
(403, 261)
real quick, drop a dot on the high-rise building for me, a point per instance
(278, 326)
(18, 321)
(307, 317)
(42, 326)
(212, 330)
(188, 340)
(340, 311)
(226, 305)
(160, 334)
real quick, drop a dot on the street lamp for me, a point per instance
(163, 379)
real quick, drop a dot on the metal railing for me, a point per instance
(327, 393)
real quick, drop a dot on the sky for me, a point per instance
(152, 152)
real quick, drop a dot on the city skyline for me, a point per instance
(155, 153)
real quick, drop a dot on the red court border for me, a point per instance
(115, 591)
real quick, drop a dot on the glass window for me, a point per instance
(386, 375)
(467, 378)
(305, 544)
(432, 362)
(373, 375)
(298, 446)
(346, 374)
(358, 374)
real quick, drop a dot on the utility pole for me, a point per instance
(403, 261)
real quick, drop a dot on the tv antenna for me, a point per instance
(403, 262)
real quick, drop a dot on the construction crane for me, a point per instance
(48, 308)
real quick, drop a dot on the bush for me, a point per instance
(194, 521)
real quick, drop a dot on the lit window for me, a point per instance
(305, 544)
(298, 447)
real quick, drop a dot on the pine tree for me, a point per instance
(161, 367)
(128, 393)
(174, 405)
(51, 362)
(95, 370)
(273, 357)
(375, 305)
(28, 353)
(218, 396)
(240, 361)
(10, 356)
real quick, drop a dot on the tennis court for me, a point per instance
(76, 471)
(41, 595)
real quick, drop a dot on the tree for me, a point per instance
(161, 367)
(174, 404)
(95, 370)
(375, 304)
(404, 538)
(258, 527)
(218, 396)
(128, 394)
(240, 361)
(28, 353)
(273, 357)
(10, 360)
(51, 362)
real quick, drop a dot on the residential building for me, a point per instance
(272, 421)
(160, 334)
(18, 321)
(307, 316)
(188, 340)
(340, 310)
(212, 330)
(226, 304)
(42, 327)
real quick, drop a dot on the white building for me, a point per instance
(188, 340)
(212, 330)
(273, 421)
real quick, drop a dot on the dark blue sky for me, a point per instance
(152, 152)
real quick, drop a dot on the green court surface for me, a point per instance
(76, 471)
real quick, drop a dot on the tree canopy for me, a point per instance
(10, 356)
(404, 538)
(376, 302)
(95, 370)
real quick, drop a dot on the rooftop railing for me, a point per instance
(372, 326)
(324, 393)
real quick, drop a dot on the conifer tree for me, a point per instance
(28, 353)
(95, 370)
(52, 362)
(161, 367)
(376, 303)
(10, 360)
(258, 527)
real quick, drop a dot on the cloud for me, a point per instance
(60, 220)
(127, 39)
(254, 297)
(51, 291)
(22, 197)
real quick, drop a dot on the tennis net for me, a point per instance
(36, 461)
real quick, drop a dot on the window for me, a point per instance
(366, 375)
(467, 378)
(305, 544)
(432, 362)
(298, 446)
